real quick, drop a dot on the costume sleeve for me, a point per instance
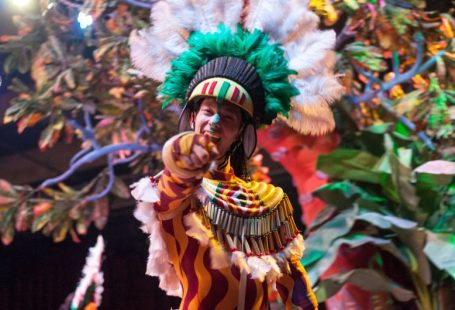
(177, 183)
(295, 288)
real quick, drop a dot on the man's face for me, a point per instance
(226, 132)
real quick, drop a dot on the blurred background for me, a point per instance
(375, 198)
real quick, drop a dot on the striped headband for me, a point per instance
(224, 89)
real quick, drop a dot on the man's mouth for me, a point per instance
(214, 138)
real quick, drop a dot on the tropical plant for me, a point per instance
(396, 207)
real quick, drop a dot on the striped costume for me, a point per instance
(223, 243)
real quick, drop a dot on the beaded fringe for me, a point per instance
(266, 234)
(261, 246)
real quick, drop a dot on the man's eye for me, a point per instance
(228, 117)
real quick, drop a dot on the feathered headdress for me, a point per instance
(278, 38)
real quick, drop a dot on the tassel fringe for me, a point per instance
(265, 267)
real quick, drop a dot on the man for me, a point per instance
(229, 241)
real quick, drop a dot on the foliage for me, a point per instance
(386, 198)
(399, 61)
(83, 87)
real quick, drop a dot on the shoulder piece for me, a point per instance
(253, 222)
(242, 198)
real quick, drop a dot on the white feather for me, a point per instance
(168, 29)
(212, 11)
(304, 21)
(184, 12)
(275, 271)
(170, 284)
(232, 13)
(308, 54)
(311, 122)
(264, 13)
(196, 229)
(281, 19)
(295, 247)
(158, 260)
(238, 259)
(148, 55)
(259, 268)
(316, 91)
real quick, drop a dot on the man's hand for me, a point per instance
(193, 151)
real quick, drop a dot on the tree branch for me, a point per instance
(403, 77)
(110, 183)
(96, 154)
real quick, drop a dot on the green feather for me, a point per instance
(255, 48)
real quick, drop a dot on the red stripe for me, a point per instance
(219, 286)
(242, 99)
(212, 87)
(204, 88)
(251, 294)
(188, 268)
(235, 94)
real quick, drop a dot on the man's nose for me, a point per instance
(215, 121)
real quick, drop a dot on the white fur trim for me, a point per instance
(143, 190)
(196, 229)
(158, 263)
(238, 259)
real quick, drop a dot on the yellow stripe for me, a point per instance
(247, 105)
(182, 239)
(203, 275)
(259, 295)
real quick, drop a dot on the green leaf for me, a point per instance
(68, 76)
(366, 279)
(109, 109)
(401, 177)
(414, 239)
(23, 62)
(441, 172)
(407, 103)
(385, 221)
(344, 194)
(61, 231)
(10, 63)
(318, 243)
(40, 221)
(329, 255)
(323, 215)
(8, 234)
(103, 49)
(350, 164)
(8, 218)
(440, 249)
